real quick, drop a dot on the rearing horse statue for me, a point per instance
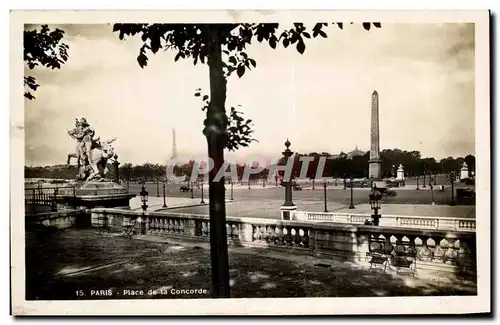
(98, 159)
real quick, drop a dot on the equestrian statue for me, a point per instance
(91, 154)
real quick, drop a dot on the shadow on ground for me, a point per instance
(80, 264)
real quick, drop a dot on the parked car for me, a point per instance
(296, 187)
(186, 189)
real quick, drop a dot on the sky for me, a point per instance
(321, 100)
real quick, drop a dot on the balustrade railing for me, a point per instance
(448, 248)
(420, 222)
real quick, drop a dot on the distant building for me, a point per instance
(356, 152)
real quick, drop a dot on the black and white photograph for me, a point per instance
(250, 162)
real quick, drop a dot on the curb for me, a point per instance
(187, 206)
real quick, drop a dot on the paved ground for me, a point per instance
(268, 208)
(156, 203)
(78, 264)
(337, 194)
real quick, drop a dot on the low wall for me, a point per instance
(447, 250)
(59, 220)
(418, 222)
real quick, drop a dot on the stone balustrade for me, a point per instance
(63, 219)
(448, 250)
(420, 222)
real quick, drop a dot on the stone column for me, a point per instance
(374, 164)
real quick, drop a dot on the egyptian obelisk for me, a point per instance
(174, 145)
(374, 164)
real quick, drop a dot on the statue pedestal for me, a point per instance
(464, 172)
(287, 212)
(91, 195)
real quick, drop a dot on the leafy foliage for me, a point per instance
(191, 40)
(239, 130)
(43, 48)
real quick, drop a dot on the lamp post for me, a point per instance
(232, 191)
(116, 167)
(313, 183)
(287, 182)
(351, 206)
(324, 194)
(202, 201)
(452, 180)
(164, 195)
(192, 190)
(144, 199)
(418, 188)
(423, 186)
(248, 182)
(375, 197)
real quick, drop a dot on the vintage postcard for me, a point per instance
(250, 162)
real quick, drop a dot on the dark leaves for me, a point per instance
(252, 62)
(43, 48)
(30, 82)
(366, 26)
(240, 71)
(239, 130)
(29, 95)
(286, 42)
(142, 59)
(340, 25)
(301, 47)
(377, 25)
(273, 41)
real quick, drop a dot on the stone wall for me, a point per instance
(437, 249)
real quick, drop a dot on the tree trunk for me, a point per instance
(216, 133)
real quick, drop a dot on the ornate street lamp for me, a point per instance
(287, 182)
(351, 206)
(324, 192)
(375, 197)
(192, 190)
(423, 186)
(452, 180)
(418, 188)
(232, 190)
(164, 195)
(202, 201)
(144, 197)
